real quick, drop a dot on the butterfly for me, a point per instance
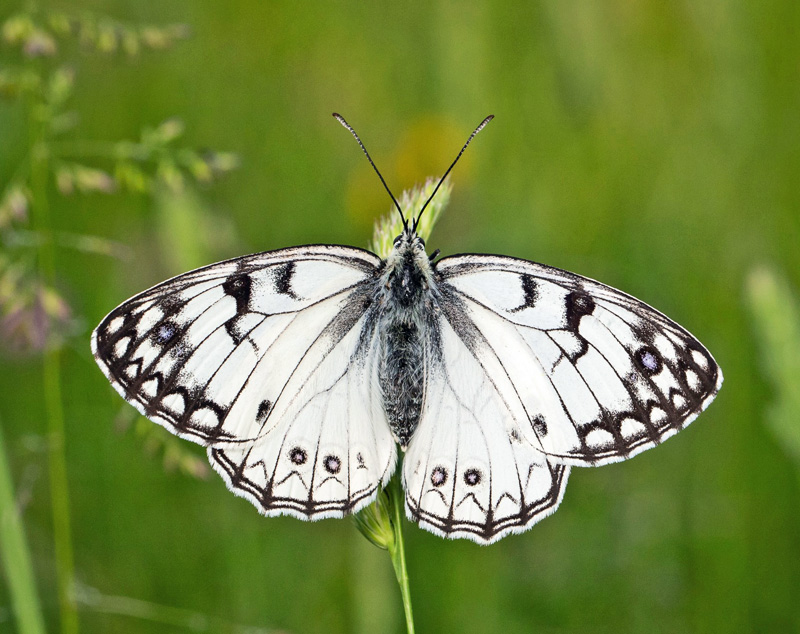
(303, 370)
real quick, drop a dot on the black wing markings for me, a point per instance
(580, 303)
(171, 306)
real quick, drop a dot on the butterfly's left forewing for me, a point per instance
(599, 375)
(234, 355)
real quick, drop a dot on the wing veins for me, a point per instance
(292, 373)
(467, 298)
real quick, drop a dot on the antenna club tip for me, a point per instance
(484, 123)
(341, 120)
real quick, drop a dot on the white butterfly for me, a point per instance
(300, 369)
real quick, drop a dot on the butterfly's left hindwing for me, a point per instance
(599, 375)
(235, 356)
(327, 445)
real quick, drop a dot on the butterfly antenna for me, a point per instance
(480, 127)
(341, 120)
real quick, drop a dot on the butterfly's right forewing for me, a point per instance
(599, 375)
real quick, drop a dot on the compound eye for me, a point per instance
(398, 239)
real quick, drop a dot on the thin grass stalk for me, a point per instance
(51, 370)
(397, 548)
(15, 555)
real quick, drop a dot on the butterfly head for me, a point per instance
(409, 238)
(408, 273)
(408, 249)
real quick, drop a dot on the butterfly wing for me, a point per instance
(469, 472)
(268, 361)
(597, 375)
(329, 445)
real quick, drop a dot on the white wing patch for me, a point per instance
(323, 454)
(469, 472)
(600, 375)
(260, 359)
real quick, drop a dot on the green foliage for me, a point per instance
(34, 316)
(40, 33)
(775, 311)
(32, 312)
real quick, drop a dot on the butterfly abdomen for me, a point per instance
(402, 378)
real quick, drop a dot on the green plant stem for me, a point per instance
(54, 410)
(15, 556)
(59, 492)
(397, 548)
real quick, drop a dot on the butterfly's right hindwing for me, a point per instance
(469, 471)
(232, 355)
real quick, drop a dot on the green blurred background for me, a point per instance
(654, 146)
